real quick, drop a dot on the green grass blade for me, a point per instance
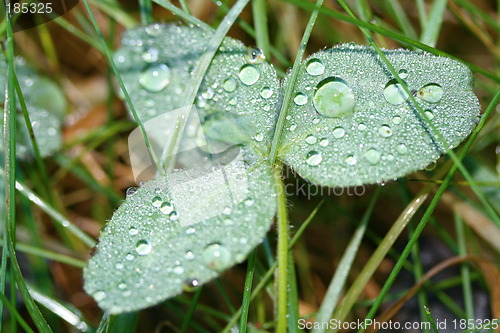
(189, 315)
(260, 23)
(464, 269)
(339, 279)
(400, 16)
(146, 9)
(13, 311)
(245, 304)
(431, 31)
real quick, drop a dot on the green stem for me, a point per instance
(146, 9)
(261, 30)
(282, 252)
(245, 304)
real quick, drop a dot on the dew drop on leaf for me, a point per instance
(266, 92)
(150, 55)
(133, 231)
(143, 247)
(431, 93)
(394, 93)
(300, 99)
(338, 132)
(216, 256)
(372, 156)
(155, 78)
(314, 158)
(166, 208)
(403, 73)
(229, 85)
(429, 114)
(402, 149)
(334, 98)
(385, 131)
(351, 160)
(249, 75)
(315, 67)
(311, 139)
(157, 201)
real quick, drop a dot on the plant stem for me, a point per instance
(247, 291)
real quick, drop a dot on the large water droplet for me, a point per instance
(431, 93)
(324, 142)
(166, 208)
(155, 78)
(429, 114)
(157, 201)
(402, 149)
(229, 85)
(338, 132)
(403, 73)
(216, 256)
(259, 137)
(133, 231)
(314, 158)
(394, 93)
(385, 131)
(315, 67)
(249, 74)
(372, 156)
(143, 247)
(334, 98)
(351, 160)
(300, 99)
(311, 139)
(266, 92)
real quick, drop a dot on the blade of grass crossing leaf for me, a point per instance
(13, 311)
(247, 291)
(339, 279)
(270, 272)
(464, 269)
(50, 255)
(146, 9)
(189, 315)
(287, 96)
(260, 23)
(430, 209)
(431, 31)
(107, 52)
(391, 34)
(487, 206)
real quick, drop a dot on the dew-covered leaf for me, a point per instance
(180, 231)
(350, 123)
(156, 63)
(46, 107)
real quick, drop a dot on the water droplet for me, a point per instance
(122, 286)
(324, 142)
(300, 98)
(267, 107)
(334, 98)
(311, 139)
(166, 208)
(150, 55)
(119, 265)
(396, 120)
(232, 101)
(174, 216)
(129, 256)
(229, 85)
(133, 231)
(249, 202)
(178, 270)
(189, 255)
(99, 295)
(131, 191)
(338, 132)
(402, 149)
(143, 247)
(255, 56)
(259, 137)
(266, 92)
(394, 93)
(431, 166)
(190, 231)
(351, 160)
(431, 93)
(157, 201)
(216, 256)
(314, 158)
(361, 127)
(429, 114)
(315, 67)
(293, 128)
(249, 74)
(385, 131)
(403, 73)
(372, 156)
(155, 78)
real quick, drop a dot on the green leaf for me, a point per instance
(352, 124)
(240, 89)
(178, 232)
(46, 106)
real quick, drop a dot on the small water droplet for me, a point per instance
(189, 255)
(249, 74)
(178, 270)
(293, 128)
(150, 55)
(338, 132)
(361, 127)
(267, 107)
(403, 73)
(119, 265)
(255, 56)
(300, 98)
(431, 93)
(351, 160)
(157, 201)
(259, 137)
(396, 120)
(249, 202)
(166, 208)
(229, 85)
(431, 166)
(385, 131)
(314, 158)
(402, 149)
(315, 67)
(155, 78)
(216, 256)
(266, 92)
(334, 98)
(316, 121)
(429, 114)
(394, 93)
(190, 231)
(131, 191)
(233, 101)
(143, 247)
(129, 256)
(122, 286)
(174, 216)
(372, 156)
(133, 231)
(99, 295)
(324, 142)
(311, 139)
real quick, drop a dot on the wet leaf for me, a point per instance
(350, 123)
